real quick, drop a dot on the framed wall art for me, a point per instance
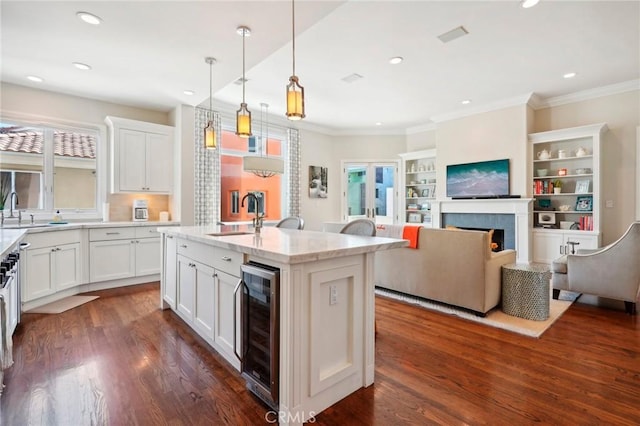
(318, 181)
(584, 203)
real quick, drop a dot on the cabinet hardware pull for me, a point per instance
(183, 245)
(53, 249)
(242, 284)
(113, 233)
(170, 237)
(226, 258)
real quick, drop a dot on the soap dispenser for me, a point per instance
(57, 217)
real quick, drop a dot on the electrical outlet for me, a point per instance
(333, 298)
(609, 204)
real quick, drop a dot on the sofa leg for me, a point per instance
(630, 308)
(556, 293)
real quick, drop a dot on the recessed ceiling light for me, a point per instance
(35, 78)
(89, 18)
(379, 123)
(189, 92)
(82, 66)
(396, 60)
(570, 75)
(466, 102)
(528, 3)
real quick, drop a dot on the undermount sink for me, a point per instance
(25, 226)
(229, 233)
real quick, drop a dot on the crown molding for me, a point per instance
(427, 127)
(492, 106)
(584, 95)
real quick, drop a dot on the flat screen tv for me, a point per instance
(485, 179)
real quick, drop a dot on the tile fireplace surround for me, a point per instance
(520, 208)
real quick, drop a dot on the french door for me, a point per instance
(369, 190)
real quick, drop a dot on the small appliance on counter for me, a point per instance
(140, 210)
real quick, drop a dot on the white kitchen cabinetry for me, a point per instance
(141, 156)
(123, 252)
(418, 182)
(52, 263)
(206, 280)
(571, 158)
(170, 273)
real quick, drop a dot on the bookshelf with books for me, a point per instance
(565, 177)
(419, 183)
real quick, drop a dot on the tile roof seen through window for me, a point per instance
(66, 144)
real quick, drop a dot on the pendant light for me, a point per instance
(210, 141)
(243, 115)
(263, 166)
(295, 92)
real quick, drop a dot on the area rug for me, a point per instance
(62, 305)
(495, 317)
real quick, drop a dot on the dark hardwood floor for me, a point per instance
(120, 360)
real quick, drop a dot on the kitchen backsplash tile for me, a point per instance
(121, 206)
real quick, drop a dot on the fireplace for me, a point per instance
(513, 216)
(497, 237)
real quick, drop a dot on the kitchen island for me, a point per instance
(326, 304)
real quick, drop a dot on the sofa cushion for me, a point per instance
(559, 265)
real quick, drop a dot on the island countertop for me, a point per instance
(290, 246)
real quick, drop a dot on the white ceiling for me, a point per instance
(147, 53)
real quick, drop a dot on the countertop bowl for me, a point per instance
(542, 172)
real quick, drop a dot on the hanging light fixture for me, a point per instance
(295, 92)
(210, 141)
(263, 166)
(243, 115)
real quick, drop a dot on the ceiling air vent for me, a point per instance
(352, 77)
(453, 34)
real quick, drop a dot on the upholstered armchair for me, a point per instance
(612, 272)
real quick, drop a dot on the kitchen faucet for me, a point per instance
(257, 221)
(11, 205)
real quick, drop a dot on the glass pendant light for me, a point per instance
(263, 166)
(295, 92)
(243, 115)
(210, 141)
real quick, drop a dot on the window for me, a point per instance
(233, 178)
(262, 201)
(49, 168)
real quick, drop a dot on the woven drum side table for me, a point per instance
(525, 290)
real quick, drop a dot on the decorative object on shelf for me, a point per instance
(566, 224)
(318, 177)
(582, 186)
(544, 203)
(425, 193)
(414, 217)
(562, 172)
(210, 141)
(564, 208)
(243, 115)
(583, 171)
(581, 152)
(544, 155)
(547, 218)
(262, 165)
(562, 153)
(542, 172)
(295, 92)
(421, 168)
(584, 203)
(557, 186)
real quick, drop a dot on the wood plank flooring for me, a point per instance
(120, 360)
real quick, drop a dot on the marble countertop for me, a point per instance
(8, 238)
(285, 245)
(47, 227)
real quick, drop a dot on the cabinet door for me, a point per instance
(186, 294)
(170, 271)
(131, 160)
(111, 260)
(225, 322)
(205, 300)
(38, 280)
(159, 163)
(546, 246)
(148, 256)
(66, 266)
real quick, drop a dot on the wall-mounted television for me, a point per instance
(484, 179)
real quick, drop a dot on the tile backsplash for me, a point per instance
(121, 206)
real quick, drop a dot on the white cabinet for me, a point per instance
(52, 263)
(141, 156)
(419, 186)
(124, 252)
(205, 296)
(170, 273)
(569, 159)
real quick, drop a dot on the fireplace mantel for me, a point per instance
(521, 208)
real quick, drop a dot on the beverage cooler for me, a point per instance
(260, 330)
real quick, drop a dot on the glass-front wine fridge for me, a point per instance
(260, 330)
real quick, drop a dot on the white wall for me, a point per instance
(621, 112)
(421, 140)
(182, 199)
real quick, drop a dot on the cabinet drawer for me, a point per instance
(228, 261)
(105, 234)
(199, 252)
(147, 231)
(53, 238)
